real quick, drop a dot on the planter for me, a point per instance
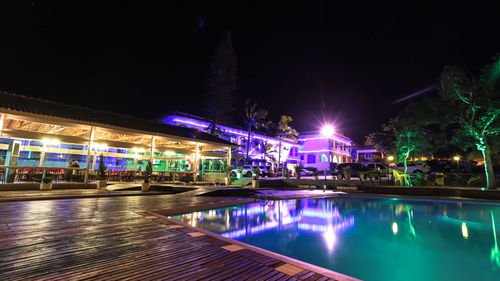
(145, 186)
(255, 183)
(45, 186)
(101, 184)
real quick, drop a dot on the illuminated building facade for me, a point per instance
(39, 138)
(323, 152)
(258, 141)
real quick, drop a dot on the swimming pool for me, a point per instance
(370, 238)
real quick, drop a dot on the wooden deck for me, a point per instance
(114, 238)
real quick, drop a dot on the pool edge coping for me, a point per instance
(305, 265)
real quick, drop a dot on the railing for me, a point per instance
(264, 198)
(35, 174)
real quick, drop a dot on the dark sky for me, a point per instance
(145, 59)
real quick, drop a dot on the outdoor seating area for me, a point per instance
(41, 139)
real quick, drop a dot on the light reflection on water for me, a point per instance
(370, 238)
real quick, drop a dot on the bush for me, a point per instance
(148, 172)
(102, 169)
(256, 173)
(187, 178)
(47, 180)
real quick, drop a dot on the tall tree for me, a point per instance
(477, 107)
(284, 131)
(221, 83)
(254, 118)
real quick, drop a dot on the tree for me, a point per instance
(221, 83)
(284, 131)
(404, 136)
(477, 108)
(383, 140)
(254, 118)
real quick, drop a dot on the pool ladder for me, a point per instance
(264, 198)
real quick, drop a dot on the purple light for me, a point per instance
(325, 150)
(323, 228)
(205, 125)
(335, 137)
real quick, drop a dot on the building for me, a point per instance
(263, 150)
(38, 138)
(368, 153)
(323, 152)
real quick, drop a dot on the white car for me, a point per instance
(245, 171)
(414, 167)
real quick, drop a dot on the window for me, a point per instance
(368, 156)
(302, 157)
(323, 158)
(335, 159)
(311, 159)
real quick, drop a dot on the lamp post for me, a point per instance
(457, 158)
(327, 130)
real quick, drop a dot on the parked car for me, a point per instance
(246, 171)
(378, 167)
(264, 170)
(441, 166)
(305, 171)
(308, 171)
(414, 167)
(355, 168)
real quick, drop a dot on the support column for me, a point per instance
(2, 118)
(151, 153)
(195, 168)
(89, 153)
(228, 157)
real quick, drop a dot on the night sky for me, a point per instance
(146, 59)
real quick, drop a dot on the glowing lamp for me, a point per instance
(136, 150)
(50, 141)
(327, 130)
(390, 158)
(456, 158)
(100, 146)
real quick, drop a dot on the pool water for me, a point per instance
(370, 238)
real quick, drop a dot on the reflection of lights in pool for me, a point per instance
(395, 227)
(330, 237)
(321, 213)
(465, 232)
(323, 228)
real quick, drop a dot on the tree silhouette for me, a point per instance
(254, 118)
(284, 131)
(221, 83)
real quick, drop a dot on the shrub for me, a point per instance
(47, 180)
(148, 172)
(102, 169)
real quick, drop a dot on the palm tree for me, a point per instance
(284, 131)
(254, 118)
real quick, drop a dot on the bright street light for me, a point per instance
(327, 130)
(456, 158)
(390, 158)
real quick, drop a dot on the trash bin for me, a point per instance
(439, 179)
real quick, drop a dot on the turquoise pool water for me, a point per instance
(370, 238)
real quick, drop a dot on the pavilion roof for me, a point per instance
(25, 104)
